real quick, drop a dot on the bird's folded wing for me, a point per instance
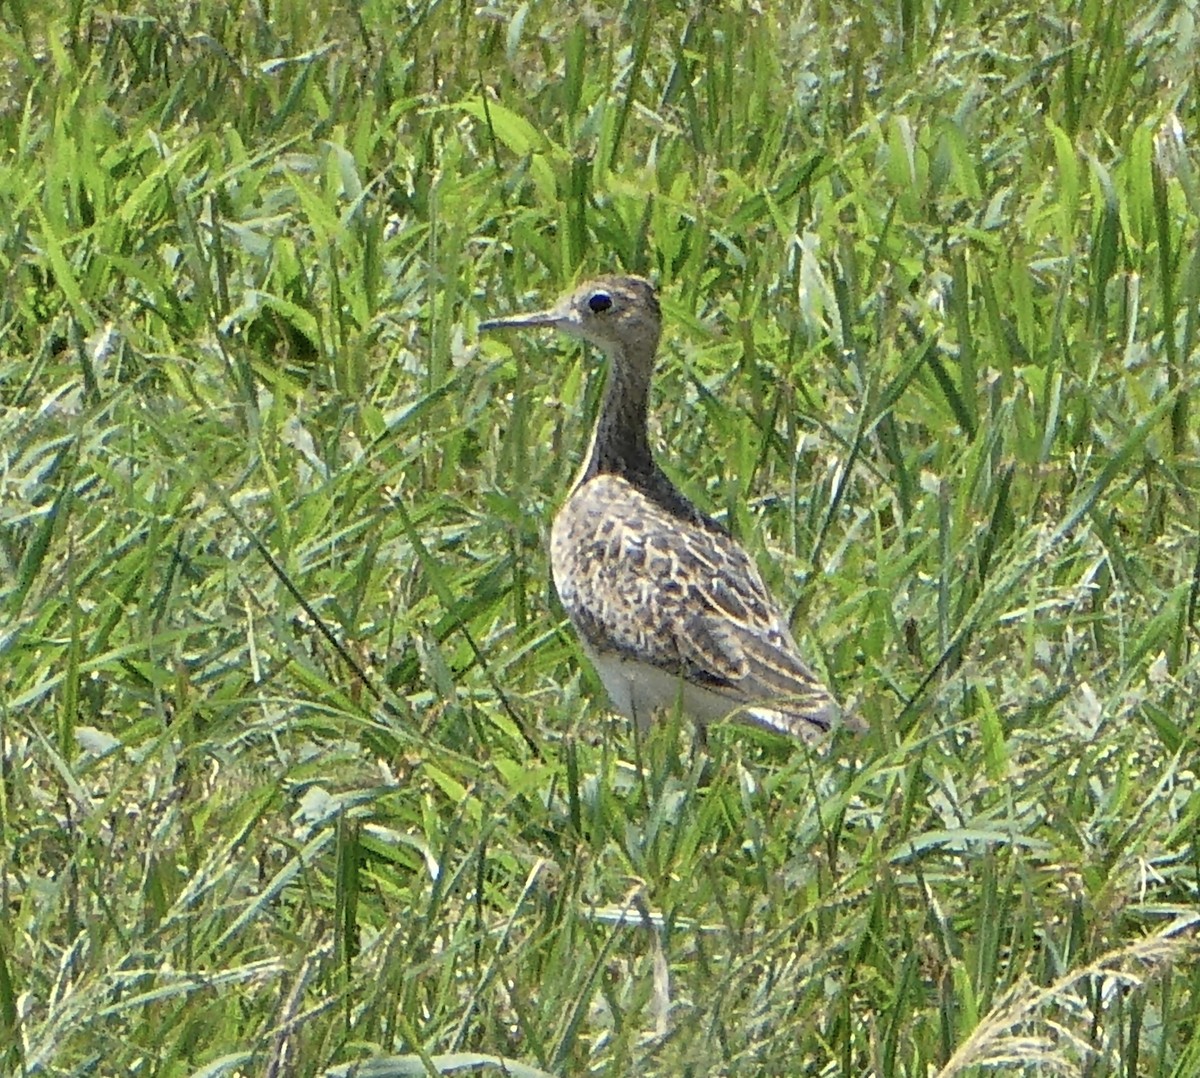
(751, 666)
(689, 601)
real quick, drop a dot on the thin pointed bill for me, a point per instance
(524, 321)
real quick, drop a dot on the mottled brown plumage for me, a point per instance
(669, 608)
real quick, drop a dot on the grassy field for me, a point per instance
(302, 766)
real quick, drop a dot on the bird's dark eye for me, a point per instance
(599, 301)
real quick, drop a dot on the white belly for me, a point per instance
(638, 690)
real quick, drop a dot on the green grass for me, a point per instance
(302, 767)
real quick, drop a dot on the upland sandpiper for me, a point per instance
(670, 609)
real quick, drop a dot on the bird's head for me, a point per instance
(619, 315)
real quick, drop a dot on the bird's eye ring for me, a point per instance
(599, 301)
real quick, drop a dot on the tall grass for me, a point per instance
(303, 772)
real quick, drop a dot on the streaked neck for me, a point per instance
(620, 439)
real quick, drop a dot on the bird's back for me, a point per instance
(670, 608)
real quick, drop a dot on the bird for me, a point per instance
(669, 608)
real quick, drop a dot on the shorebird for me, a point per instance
(670, 610)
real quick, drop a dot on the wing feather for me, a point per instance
(638, 582)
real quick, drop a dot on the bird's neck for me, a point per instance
(620, 440)
(621, 443)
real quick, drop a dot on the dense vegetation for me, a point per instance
(301, 765)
